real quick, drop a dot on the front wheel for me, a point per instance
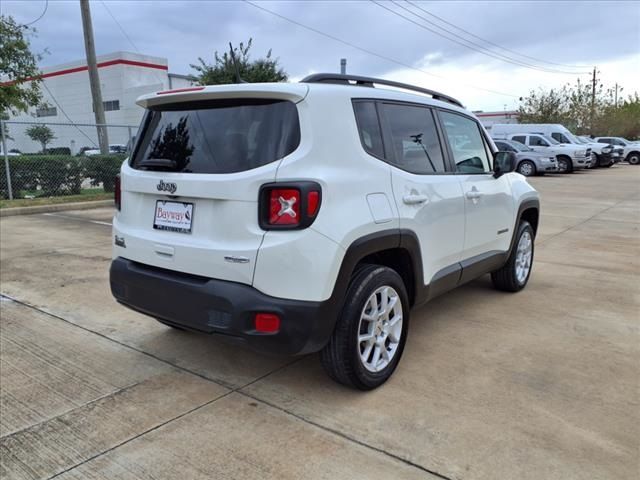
(634, 158)
(527, 168)
(370, 333)
(564, 165)
(514, 275)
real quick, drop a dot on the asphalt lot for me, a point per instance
(543, 384)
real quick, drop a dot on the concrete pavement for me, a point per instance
(540, 384)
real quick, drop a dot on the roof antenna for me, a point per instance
(236, 77)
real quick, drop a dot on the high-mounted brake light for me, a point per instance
(117, 193)
(180, 90)
(288, 206)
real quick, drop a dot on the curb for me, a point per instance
(56, 207)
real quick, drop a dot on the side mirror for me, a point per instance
(503, 162)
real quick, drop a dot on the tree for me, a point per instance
(19, 65)
(544, 106)
(42, 134)
(223, 70)
(575, 107)
(622, 120)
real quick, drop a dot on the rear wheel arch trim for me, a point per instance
(374, 243)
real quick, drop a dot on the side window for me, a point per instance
(504, 147)
(560, 137)
(369, 128)
(414, 138)
(536, 141)
(520, 138)
(467, 143)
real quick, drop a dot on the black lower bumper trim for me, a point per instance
(222, 307)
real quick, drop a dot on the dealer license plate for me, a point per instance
(173, 216)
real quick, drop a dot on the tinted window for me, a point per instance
(504, 147)
(536, 141)
(560, 137)
(519, 138)
(369, 128)
(604, 140)
(466, 142)
(414, 138)
(221, 136)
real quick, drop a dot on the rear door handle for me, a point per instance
(473, 195)
(415, 199)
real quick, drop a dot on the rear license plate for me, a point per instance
(173, 216)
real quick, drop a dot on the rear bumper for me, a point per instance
(222, 307)
(547, 166)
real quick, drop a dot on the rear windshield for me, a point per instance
(220, 136)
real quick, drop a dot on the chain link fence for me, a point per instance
(42, 159)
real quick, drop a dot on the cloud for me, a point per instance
(603, 33)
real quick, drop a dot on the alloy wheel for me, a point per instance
(380, 329)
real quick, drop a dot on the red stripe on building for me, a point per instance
(119, 61)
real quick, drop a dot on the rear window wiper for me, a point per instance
(158, 163)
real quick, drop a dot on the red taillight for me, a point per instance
(284, 206)
(267, 322)
(291, 205)
(117, 194)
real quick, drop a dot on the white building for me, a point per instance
(488, 119)
(66, 98)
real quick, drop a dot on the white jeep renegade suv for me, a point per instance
(308, 217)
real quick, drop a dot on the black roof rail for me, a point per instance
(357, 80)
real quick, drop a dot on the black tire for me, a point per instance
(564, 165)
(633, 158)
(170, 325)
(341, 356)
(505, 278)
(527, 168)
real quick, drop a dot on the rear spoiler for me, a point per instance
(294, 92)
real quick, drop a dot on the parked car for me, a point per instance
(313, 216)
(568, 157)
(630, 150)
(113, 149)
(609, 155)
(528, 161)
(554, 134)
(10, 153)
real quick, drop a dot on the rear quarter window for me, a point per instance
(217, 136)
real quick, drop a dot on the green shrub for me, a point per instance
(103, 169)
(46, 174)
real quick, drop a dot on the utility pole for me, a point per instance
(616, 100)
(593, 101)
(94, 79)
(343, 66)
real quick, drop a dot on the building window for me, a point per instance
(110, 105)
(46, 112)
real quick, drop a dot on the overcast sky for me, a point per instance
(553, 35)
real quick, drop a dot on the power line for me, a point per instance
(461, 41)
(65, 114)
(414, 4)
(46, 6)
(123, 31)
(384, 57)
(119, 26)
